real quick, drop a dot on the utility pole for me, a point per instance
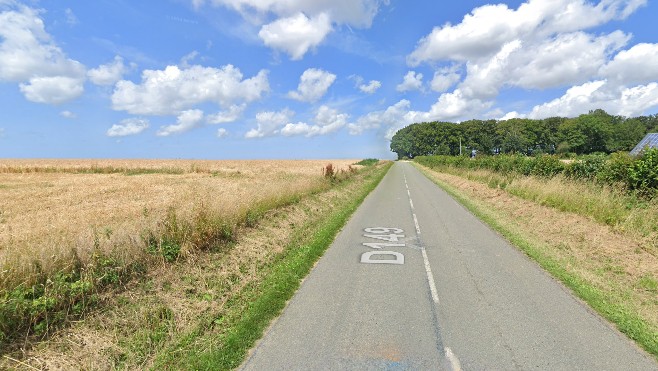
(460, 146)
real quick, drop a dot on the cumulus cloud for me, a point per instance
(566, 59)
(296, 34)
(233, 113)
(390, 120)
(313, 85)
(186, 121)
(52, 89)
(602, 94)
(108, 74)
(453, 106)
(300, 25)
(327, 120)
(131, 126)
(412, 81)
(29, 56)
(371, 87)
(484, 31)
(635, 65)
(444, 79)
(269, 123)
(541, 44)
(169, 91)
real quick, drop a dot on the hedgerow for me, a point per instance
(638, 174)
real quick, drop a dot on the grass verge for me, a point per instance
(611, 305)
(249, 313)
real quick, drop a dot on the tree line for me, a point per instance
(594, 132)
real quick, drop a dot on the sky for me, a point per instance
(305, 79)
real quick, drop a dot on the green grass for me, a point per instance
(624, 318)
(252, 310)
(367, 162)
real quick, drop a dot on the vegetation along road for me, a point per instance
(414, 281)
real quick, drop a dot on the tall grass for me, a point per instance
(628, 213)
(49, 278)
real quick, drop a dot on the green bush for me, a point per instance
(643, 173)
(639, 174)
(615, 169)
(547, 166)
(586, 168)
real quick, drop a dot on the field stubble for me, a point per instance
(50, 210)
(192, 306)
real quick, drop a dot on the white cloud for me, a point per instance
(313, 84)
(391, 119)
(296, 34)
(510, 115)
(371, 87)
(233, 113)
(356, 13)
(327, 120)
(68, 115)
(131, 126)
(638, 64)
(222, 133)
(444, 79)
(28, 55)
(541, 44)
(484, 31)
(300, 25)
(616, 100)
(186, 121)
(453, 106)
(567, 59)
(269, 123)
(53, 89)
(412, 81)
(169, 91)
(108, 74)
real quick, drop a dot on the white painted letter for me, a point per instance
(365, 257)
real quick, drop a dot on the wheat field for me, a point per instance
(55, 210)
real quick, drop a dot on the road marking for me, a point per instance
(430, 277)
(454, 362)
(426, 261)
(416, 223)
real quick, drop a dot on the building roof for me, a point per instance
(650, 140)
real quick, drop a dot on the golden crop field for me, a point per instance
(53, 210)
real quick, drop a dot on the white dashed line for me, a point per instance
(454, 362)
(452, 358)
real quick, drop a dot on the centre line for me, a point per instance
(426, 261)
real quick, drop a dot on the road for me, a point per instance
(414, 281)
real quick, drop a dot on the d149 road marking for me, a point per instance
(392, 236)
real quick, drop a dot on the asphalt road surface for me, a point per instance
(414, 281)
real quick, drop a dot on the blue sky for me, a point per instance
(226, 79)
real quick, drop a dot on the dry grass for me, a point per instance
(628, 214)
(51, 207)
(199, 294)
(618, 260)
